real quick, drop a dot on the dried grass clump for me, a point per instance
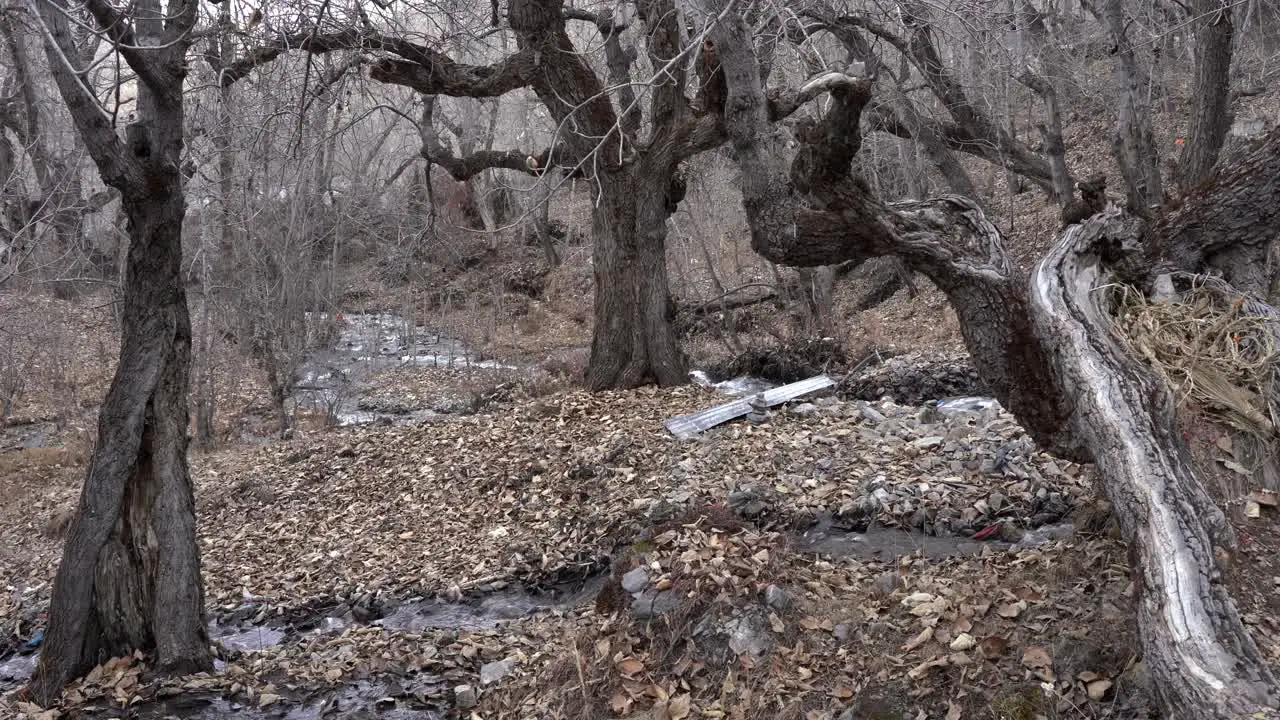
(1215, 346)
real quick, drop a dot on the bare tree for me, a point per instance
(130, 572)
(1211, 86)
(1044, 345)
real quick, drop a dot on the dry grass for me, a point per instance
(1215, 347)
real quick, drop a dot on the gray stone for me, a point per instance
(884, 585)
(741, 497)
(492, 672)
(996, 501)
(635, 580)
(777, 598)
(653, 603)
(745, 637)
(870, 414)
(464, 696)
(927, 443)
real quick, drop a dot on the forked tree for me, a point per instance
(1044, 343)
(129, 578)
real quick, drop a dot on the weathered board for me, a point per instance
(687, 426)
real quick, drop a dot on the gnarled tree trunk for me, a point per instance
(130, 572)
(1044, 345)
(634, 342)
(1203, 660)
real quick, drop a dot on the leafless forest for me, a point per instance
(337, 341)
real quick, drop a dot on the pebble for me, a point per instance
(886, 584)
(636, 580)
(492, 672)
(464, 696)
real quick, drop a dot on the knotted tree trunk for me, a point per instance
(130, 572)
(1044, 345)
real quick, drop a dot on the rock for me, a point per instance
(886, 584)
(804, 409)
(492, 672)
(842, 632)
(745, 637)
(777, 598)
(1045, 534)
(635, 580)
(870, 414)
(915, 378)
(747, 503)
(653, 603)
(928, 443)
(996, 501)
(464, 696)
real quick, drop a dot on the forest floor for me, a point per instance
(560, 554)
(527, 550)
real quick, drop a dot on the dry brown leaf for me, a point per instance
(680, 707)
(993, 647)
(630, 666)
(1098, 689)
(1011, 610)
(925, 636)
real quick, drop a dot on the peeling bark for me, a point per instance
(1203, 660)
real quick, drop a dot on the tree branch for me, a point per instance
(418, 67)
(120, 33)
(468, 166)
(94, 125)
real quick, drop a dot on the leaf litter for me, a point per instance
(733, 615)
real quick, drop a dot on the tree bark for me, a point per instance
(634, 342)
(1203, 660)
(1134, 142)
(130, 572)
(1211, 89)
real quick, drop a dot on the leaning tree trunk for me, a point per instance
(130, 572)
(1046, 350)
(129, 578)
(634, 342)
(1203, 661)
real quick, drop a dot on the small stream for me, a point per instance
(331, 380)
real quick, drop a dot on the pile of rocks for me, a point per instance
(914, 379)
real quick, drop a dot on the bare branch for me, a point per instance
(419, 67)
(472, 164)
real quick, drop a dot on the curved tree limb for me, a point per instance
(468, 166)
(974, 132)
(1087, 400)
(1194, 644)
(419, 67)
